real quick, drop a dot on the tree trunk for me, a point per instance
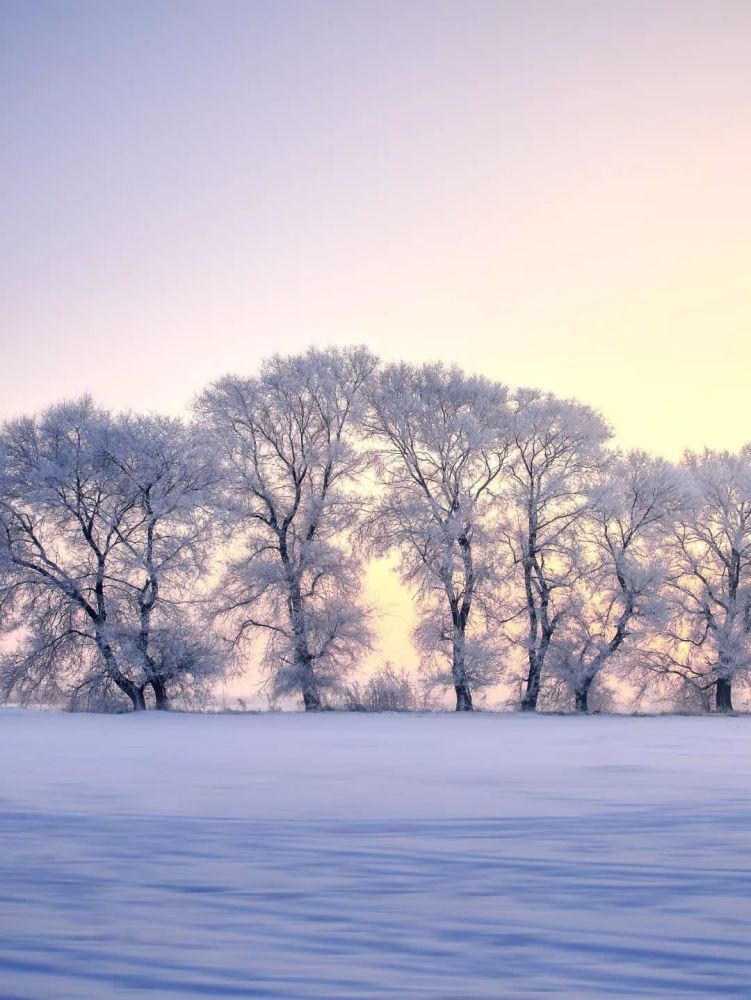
(463, 698)
(582, 698)
(136, 697)
(311, 697)
(160, 694)
(459, 672)
(724, 695)
(311, 700)
(532, 692)
(126, 685)
(529, 700)
(534, 676)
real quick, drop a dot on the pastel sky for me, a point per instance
(554, 193)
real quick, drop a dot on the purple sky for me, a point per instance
(554, 193)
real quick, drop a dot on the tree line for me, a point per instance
(141, 555)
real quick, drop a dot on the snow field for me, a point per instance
(440, 857)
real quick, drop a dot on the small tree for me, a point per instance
(441, 441)
(290, 464)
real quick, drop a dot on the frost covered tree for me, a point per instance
(168, 471)
(555, 458)
(441, 438)
(99, 533)
(63, 519)
(286, 443)
(710, 647)
(618, 598)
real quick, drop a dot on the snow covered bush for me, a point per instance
(388, 690)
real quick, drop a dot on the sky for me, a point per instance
(549, 193)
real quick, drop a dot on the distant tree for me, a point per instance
(710, 586)
(618, 597)
(285, 441)
(555, 459)
(441, 438)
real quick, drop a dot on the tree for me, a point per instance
(104, 530)
(618, 595)
(441, 441)
(290, 463)
(710, 647)
(63, 518)
(555, 457)
(168, 470)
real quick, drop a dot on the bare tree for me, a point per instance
(168, 470)
(618, 598)
(63, 519)
(441, 440)
(290, 464)
(710, 642)
(555, 458)
(104, 533)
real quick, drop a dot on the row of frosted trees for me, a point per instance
(140, 556)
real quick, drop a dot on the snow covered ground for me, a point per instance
(353, 856)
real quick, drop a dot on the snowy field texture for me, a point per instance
(435, 857)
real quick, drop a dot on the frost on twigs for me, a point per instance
(290, 498)
(105, 532)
